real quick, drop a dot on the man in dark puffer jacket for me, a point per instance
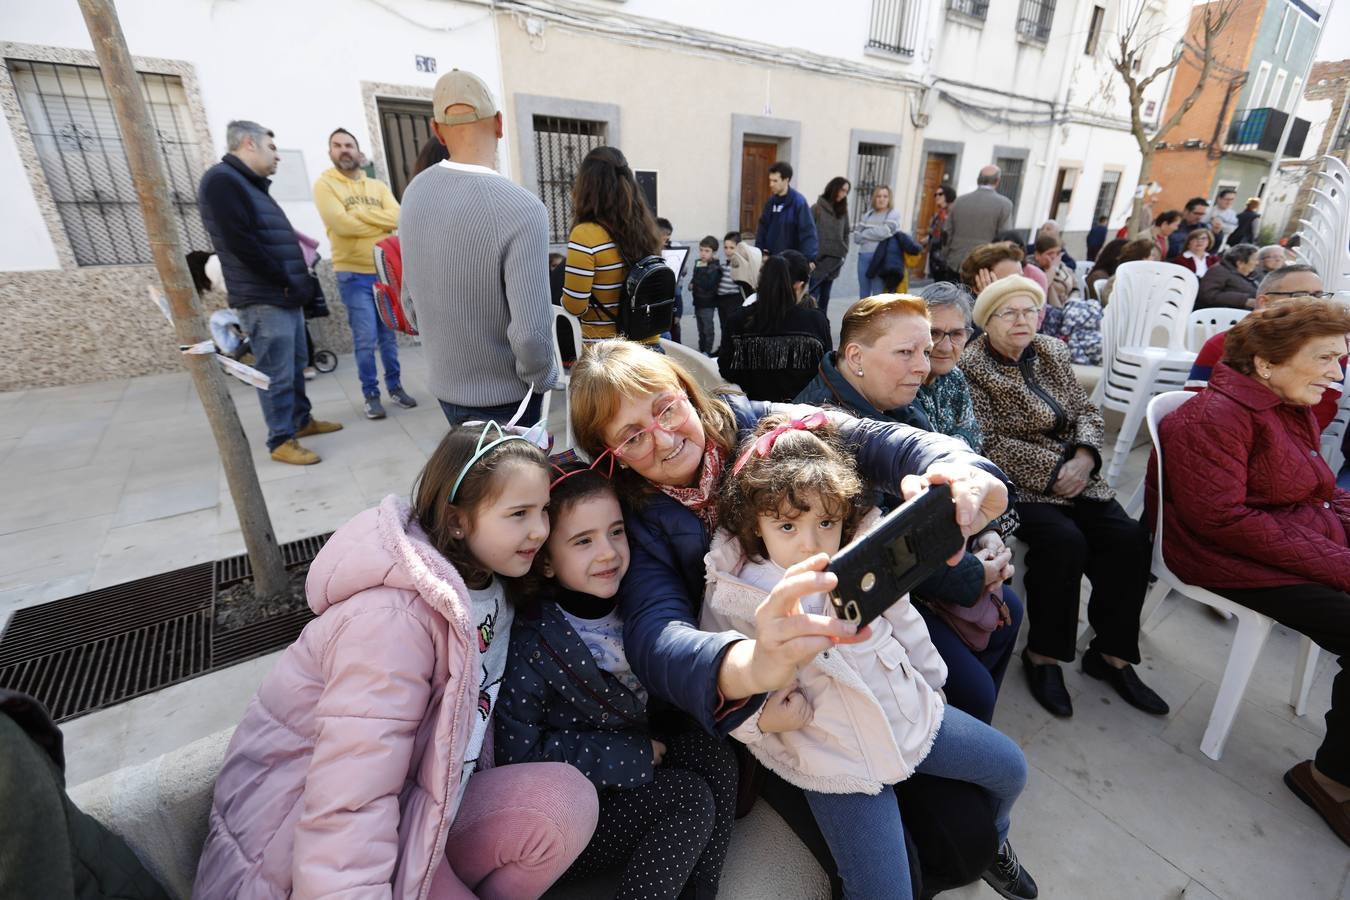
(267, 281)
(48, 847)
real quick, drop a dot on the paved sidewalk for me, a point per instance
(108, 482)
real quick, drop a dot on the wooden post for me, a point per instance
(148, 173)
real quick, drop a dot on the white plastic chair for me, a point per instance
(1334, 434)
(1148, 297)
(1253, 628)
(1098, 286)
(564, 376)
(701, 367)
(1205, 323)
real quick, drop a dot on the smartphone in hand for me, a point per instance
(905, 547)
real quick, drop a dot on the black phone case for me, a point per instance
(907, 546)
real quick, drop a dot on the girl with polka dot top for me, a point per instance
(667, 795)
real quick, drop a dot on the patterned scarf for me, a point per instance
(701, 500)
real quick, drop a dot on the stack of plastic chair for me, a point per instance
(1143, 345)
(1205, 323)
(1325, 227)
(1253, 628)
(564, 374)
(1334, 435)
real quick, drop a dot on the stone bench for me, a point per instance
(160, 808)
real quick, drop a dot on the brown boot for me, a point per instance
(293, 454)
(1337, 815)
(318, 426)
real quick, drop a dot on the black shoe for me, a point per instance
(1047, 686)
(1007, 877)
(401, 397)
(1126, 682)
(374, 409)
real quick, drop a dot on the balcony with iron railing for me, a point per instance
(894, 27)
(1034, 18)
(970, 9)
(1258, 131)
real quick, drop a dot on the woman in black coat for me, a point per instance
(772, 347)
(1227, 284)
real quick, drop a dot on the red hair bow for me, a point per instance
(763, 445)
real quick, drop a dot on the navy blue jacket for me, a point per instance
(259, 254)
(663, 591)
(557, 705)
(787, 224)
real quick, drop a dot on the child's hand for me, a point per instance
(785, 710)
(658, 752)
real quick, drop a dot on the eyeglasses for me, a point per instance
(1012, 315)
(957, 336)
(1316, 295)
(642, 444)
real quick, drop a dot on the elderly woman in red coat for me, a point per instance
(1253, 512)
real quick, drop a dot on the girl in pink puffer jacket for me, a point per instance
(862, 717)
(362, 767)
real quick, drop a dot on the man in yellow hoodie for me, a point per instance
(359, 211)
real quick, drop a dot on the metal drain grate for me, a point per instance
(93, 650)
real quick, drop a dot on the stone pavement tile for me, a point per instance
(1260, 748)
(77, 494)
(1186, 810)
(1073, 850)
(169, 499)
(1194, 638)
(306, 505)
(7, 444)
(379, 478)
(47, 448)
(134, 551)
(41, 591)
(52, 552)
(149, 726)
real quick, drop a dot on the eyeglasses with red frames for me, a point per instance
(641, 444)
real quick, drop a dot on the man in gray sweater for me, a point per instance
(475, 267)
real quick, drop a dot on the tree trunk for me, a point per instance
(1139, 221)
(148, 174)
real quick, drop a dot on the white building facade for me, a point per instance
(701, 97)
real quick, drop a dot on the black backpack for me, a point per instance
(647, 303)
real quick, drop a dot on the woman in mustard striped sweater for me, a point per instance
(612, 227)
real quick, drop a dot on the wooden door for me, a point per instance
(756, 157)
(936, 172)
(1062, 196)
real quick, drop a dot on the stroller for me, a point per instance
(226, 329)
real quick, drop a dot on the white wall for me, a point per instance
(24, 243)
(295, 67)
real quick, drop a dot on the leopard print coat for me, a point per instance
(1035, 415)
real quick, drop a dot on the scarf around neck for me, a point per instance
(701, 499)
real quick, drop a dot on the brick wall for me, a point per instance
(1182, 172)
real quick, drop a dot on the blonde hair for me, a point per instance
(866, 320)
(610, 372)
(890, 196)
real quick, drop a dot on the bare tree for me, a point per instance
(1198, 49)
(148, 174)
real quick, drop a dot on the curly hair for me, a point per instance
(606, 192)
(802, 466)
(986, 256)
(1278, 331)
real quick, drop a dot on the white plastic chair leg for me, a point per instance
(1304, 669)
(1135, 505)
(1129, 430)
(1251, 636)
(1151, 614)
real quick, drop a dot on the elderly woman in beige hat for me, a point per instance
(1043, 431)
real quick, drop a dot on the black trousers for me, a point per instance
(1093, 538)
(669, 836)
(1323, 614)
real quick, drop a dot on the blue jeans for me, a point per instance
(868, 286)
(974, 677)
(368, 331)
(280, 351)
(865, 833)
(458, 415)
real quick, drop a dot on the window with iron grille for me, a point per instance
(874, 166)
(1106, 195)
(976, 9)
(895, 26)
(1010, 178)
(559, 147)
(405, 126)
(70, 118)
(1094, 30)
(1034, 18)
